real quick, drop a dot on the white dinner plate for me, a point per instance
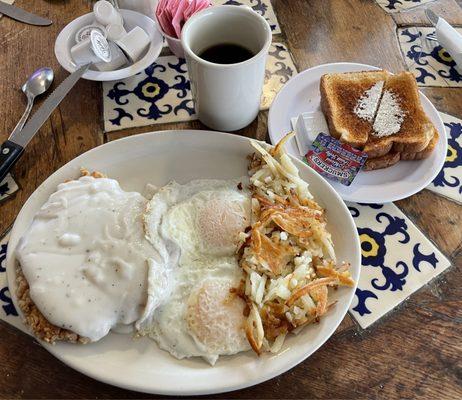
(157, 158)
(301, 94)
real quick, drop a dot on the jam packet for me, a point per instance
(334, 159)
(322, 152)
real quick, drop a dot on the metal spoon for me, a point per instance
(37, 84)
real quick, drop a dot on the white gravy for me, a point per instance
(85, 257)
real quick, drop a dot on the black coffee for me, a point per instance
(226, 53)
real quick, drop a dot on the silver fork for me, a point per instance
(431, 36)
(433, 18)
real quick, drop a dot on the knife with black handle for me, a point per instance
(12, 149)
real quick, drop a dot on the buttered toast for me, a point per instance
(393, 157)
(415, 131)
(340, 94)
(379, 113)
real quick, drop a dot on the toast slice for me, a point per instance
(393, 157)
(385, 161)
(340, 95)
(420, 155)
(401, 124)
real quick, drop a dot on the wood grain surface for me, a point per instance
(447, 9)
(414, 352)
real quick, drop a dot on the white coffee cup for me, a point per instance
(226, 96)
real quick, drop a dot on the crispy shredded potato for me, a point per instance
(287, 254)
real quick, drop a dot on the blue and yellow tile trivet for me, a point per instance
(394, 6)
(162, 93)
(263, 7)
(448, 183)
(7, 187)
(430, 63)
(8, 312)
(397, 260)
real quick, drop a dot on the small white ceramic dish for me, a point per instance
(159, 157)
(301, 94)
(65, 41)
(174, 45)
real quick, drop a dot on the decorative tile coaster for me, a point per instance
(426, 59)
(8, 312)
(7, 187)
(397, 260)
(162, 93)
(394, 6)
(263, 7)
(279, 69)
(448, 183)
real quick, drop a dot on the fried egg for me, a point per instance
(195, 227)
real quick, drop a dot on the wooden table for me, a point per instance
(417, 351)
